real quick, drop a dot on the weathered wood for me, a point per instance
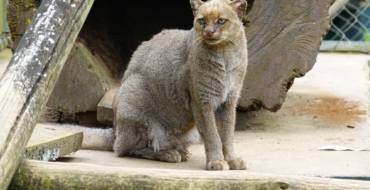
(346, 46)
(283, 41)
(32, 74)
(105, 107)
(336, 7)
(37, 175)
(50, 142)
(83, 82)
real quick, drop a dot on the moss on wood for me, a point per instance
(35, 175)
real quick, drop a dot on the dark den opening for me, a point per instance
(114, 30)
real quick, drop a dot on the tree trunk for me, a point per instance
(283, 42)
(32, 74)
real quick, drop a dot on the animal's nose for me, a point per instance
(209, 31)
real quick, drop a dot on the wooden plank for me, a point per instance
(105, 107)
(38, 175)
(49, 142)
(345, 46)
(337, 6)
(32, 74)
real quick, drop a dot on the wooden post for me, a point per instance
(32, 74)
(336, 7)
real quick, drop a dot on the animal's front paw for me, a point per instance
(237, 164)
(217, 165)
(172, 156)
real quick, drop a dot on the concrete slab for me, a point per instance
(49, 142)
(327, 107)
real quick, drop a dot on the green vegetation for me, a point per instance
(366, 36)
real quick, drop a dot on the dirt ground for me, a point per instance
(328, 107)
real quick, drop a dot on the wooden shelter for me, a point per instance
(283, 40)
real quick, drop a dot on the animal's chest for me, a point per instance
(215, 81)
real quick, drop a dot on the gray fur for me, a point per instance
(176, 80)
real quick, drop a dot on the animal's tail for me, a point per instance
(94, 138)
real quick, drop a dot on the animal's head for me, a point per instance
(218, 21)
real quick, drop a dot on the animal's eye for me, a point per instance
(202, 21)
(221, 21)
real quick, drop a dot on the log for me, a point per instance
(38, 175)
(283, 41)
(32, 74)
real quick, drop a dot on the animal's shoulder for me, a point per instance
(164, 43)
(163, 53)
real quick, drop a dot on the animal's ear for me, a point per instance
(195, 4)
(240, 7)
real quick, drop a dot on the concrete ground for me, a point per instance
(327, 107)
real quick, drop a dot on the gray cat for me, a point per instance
(181, 79)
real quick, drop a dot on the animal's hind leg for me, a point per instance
(129, 105)
(190, 137)
(132, 139)
(136, 140)
(185, 154)
(172, 155)
(128, 136)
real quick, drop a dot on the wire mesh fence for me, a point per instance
(350, 27)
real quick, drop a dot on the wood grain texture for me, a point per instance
(82, 83)
(32, 74)
(283, 42)
(50, 142)
(34, 175)
(105, 107)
